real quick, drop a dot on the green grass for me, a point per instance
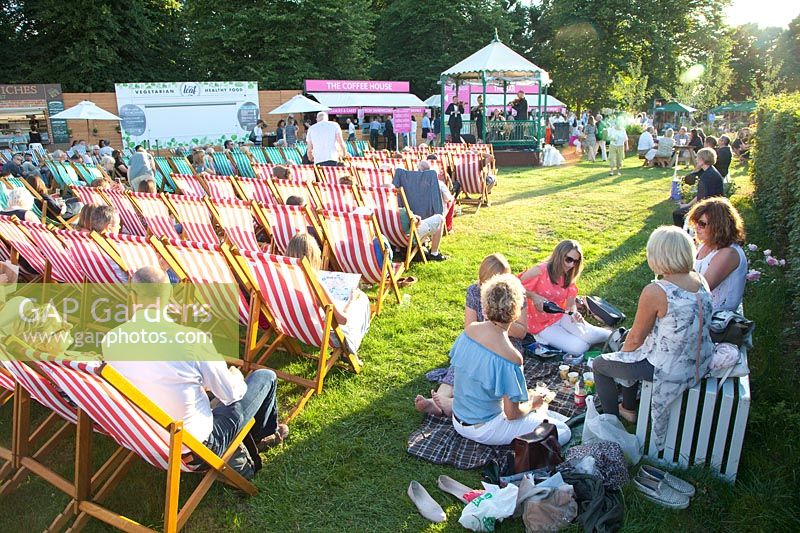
(345, 466)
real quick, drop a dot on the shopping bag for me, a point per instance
(493, 505)
(607, 427)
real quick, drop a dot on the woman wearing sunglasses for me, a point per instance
(720, 259)
(554, 280)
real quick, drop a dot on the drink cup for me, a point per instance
(588, 382)
(562, 371)
(573, 378)
(580, 398)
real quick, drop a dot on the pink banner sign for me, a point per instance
(357, 86)
(402, 120)
(371, 110)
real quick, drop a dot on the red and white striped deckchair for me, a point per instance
(263, 170)
(21, 245)
(286, 221)
(219, 186)
(135, 252)
(89, 195)
(283, 189)
(306, 173)
(351, 237)
(60, 266)
(457, 148)
(129, 216)
(336, 197)
(195, 218)
(387, 202)
(332, 175)
(299, 309)
(257, 189)
(238, 220)
(5, 253)
(467, 170)
(376, 177)
(138, 424)
(97, 263)
(188, 184)
(154, 210)
(361, 163)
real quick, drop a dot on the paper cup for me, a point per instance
(580, 399)
(588, 382)
(573, 378)
(562, 371)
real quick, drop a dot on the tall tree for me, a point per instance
(754, 63)
(416, 41)
(788, 52)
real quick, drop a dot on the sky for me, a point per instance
(763, 12)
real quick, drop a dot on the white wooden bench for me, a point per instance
(706, 426)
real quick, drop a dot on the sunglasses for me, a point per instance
(571, 260)
(701, 224)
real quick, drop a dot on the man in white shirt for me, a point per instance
(646, 141)
(258, 133)
(105, 149)
(176, 375)
(325, 142)
(351, 130)
(617, 144)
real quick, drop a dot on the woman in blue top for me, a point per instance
(490, 397)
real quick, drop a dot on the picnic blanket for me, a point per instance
(437, 441)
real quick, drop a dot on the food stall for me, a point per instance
(25, 106)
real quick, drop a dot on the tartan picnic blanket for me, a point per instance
(437, 441)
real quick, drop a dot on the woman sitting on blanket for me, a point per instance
(354, 317)
(554, 280)
(669, 342)
(490, 397)
(441, 400)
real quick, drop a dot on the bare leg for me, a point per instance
(443, 398)
(427, 405)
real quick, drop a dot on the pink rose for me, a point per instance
(767, 252)
(753, 275)
(771, 261)
(752, 247)
(782, 262)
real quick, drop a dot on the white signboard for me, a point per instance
(186, 113)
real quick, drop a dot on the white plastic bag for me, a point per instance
(495, 504)
(606, 427)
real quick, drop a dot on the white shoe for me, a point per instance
(426, 505)
(661, 493)
(451, 486)
(656, 474)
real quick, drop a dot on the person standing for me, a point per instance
(617, 145)
(325, 143)
(257, 135)
(290, 131)
(454, 121)
(601, 136)
(590, 131)
(374, 128)
(520, 106)
(388, 132)
(351, 130)
(412, 135)
(477, 114)
(280, 133)
(426, 127)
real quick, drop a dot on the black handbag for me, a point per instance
(604, 311)
(729, 326)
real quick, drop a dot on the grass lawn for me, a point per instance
(345, 467)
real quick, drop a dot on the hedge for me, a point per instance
(775, 169)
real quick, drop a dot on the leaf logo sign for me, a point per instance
(190, 89)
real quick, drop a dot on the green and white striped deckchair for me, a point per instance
(13, 183)
(242, 163)
(292, 155)
(302, 147)
(362, 147)
(223, 165)
(258, 155)
(181, 165)
(275, 155)
(163, 170)
(64, 174)
(351, 149)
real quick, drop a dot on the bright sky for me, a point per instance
(763, 12)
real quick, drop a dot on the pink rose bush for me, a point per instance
(758, 262)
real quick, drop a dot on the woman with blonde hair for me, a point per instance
(19, 204)
(491, 402)
(554, 281)
(720, 259)
(441, 400)
(669, 343)
(354, 316)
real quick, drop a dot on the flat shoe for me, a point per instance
(661, 493)
(451, 486)
(406, 281)
(656, 474)
(426, 505)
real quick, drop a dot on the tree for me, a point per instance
(788, 52)
(754, 63)
(416, 41)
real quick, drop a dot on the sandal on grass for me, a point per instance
(275, 439)
(406, 281)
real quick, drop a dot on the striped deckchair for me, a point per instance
(301, 147)
(307, 173)
(467, 170)
(362, 148)
(387, 202)
(375, 177)
(332, 175)
(274, 155)
(238, 220)
(292, 155)
(13, 182)
(257, 189)
(283, 189)
(181, 165)
(359, 163)
(135, 252)
(64, 174)
(21, 246)
(336, 197)
(286, 221)
(188, 184)
(162, 174)
(259, 156)
(137, 424)
(299, 309)
(155, 212)
(352, 239)
(131, 223)
(242, 163)
(195, 218)
(219, 186)
(223, 165)
(352, 151)
(263, 170)
(59, 264)
(90, 195)
(98, 265)
(85, 174)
